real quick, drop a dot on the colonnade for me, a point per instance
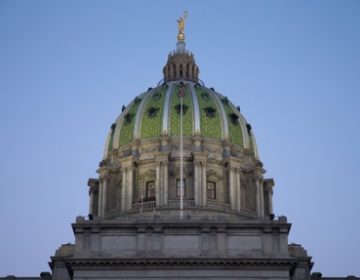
(99, 188)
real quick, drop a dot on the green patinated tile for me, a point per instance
(210, 126)
(110, 144)
(175, 116)
(235, 132)
(151, 122)
(127, 128)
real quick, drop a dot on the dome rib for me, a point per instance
(243, 123)
(165, 119)
(196, 108)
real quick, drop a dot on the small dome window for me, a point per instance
(128, 118)
(210, 112)
(234, 118)
(156, 96)
(137, 100)
(225, 100)
(205, 96)
(152, 112)
(248, 127)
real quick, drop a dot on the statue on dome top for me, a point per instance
(181, 26)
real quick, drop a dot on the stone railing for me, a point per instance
(143, 206)
(218, 206)
(139, 207)
(176, 203)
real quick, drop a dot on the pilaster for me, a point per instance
(127, 166)
(104, 176)
(200, 189)
(268, 186)
(234, 183)
(259, 191)
(161, 181)
(93, 195)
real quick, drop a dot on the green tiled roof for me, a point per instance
(210, 125)
(235, 132)
(127, 128)
(151, 121)
(209, 116)
(175, 116)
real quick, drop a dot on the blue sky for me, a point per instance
(67, 67)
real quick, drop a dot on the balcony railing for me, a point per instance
(139, 207)
(218, 206)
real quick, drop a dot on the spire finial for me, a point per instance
(181, 25)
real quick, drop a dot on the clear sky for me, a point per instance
(67, 67)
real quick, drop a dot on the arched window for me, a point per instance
(150, 191)
(178, 188)
(211, 190)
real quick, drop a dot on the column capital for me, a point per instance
(93, 183)
(269, 182)
(200, 157)
(127, 162)
(104, 174)
(161, 156)
(200, 154)
(233, 161)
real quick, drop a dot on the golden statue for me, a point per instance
(181, 25)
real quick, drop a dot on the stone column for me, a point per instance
(166, 182)
(262, 204)
(200, 188)
(123, 190)
(232, 188)
(270, 194)
(157, 184)
(268, 187)
(93, 191)
(91, 204)
(238, 189)
(104, 192)
(259, 198)
(203, 184)
(130, 187)
(196, 183)
(100, 199)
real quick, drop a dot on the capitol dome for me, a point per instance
(181, 193)
(155, 114)
(181, 145)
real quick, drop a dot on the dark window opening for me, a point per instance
(211, 190)
(150, 191)
(178, 188)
